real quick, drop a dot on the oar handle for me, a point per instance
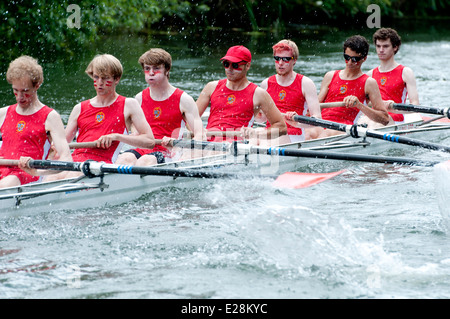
(8, 162)
(331, 104)
(421, 109)
(76, 145)
(190, 134)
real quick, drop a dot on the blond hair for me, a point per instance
(25, 66)
(105, 65)
(286, 45)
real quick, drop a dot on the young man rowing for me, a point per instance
(166, 108)
(106, 118)
(396, 81)
(352, 87)
(27, 125)
(235, 101)
(292, 92)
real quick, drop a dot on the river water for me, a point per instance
(373, 232)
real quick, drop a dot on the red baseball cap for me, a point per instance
(238, 53)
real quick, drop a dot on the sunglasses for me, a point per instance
(234, 65)
(353, 58)
(284, 58)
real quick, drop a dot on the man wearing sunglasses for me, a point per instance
(235, 101)
(396, 82)
(352, 87)
(292, 92)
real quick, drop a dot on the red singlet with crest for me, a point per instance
(337, 91)
(94, 122)
(392, 87)
(24, 135)
(288, 99)
(164, 117)
(231, 110)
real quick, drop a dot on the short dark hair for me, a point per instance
(357, 43)
(388, 33)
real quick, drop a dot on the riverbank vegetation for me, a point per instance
(42, 27)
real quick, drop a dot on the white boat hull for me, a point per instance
(113, 189)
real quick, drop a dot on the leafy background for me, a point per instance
(39, 28)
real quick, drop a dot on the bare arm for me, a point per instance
(55, 126)
(72, 125)
(264, 84)
(324, 86)
(411, 86)
(205, 96)
(134, 115)
(189, 109)
(3, 115)
(262, 101)
(378, 111)
(310, 94)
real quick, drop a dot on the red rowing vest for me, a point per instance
(94, 122)
(337, 91)
(230, 110)
(25, 135)
(288, 99)
(392, 87)
(164, 117)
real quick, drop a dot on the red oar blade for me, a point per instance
(302, 180)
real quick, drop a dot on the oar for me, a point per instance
(238, 149)
(75, 145)
(422, 109)
(190, 134)
(358, 131)
(92, 169)
(331, 104)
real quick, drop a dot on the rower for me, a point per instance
(107, 118)
(27, 126)
(292, 92)
(235, 101)
(396, 81)
(352, 87)
(167, 110)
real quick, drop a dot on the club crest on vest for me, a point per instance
(157, 112)
(99, 117)
(282, 95)
(231, 99)
(20, 126)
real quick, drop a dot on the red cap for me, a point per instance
(238, 53)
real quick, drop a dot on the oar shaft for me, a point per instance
(341, 156)
(91, 168)
(421, 109)
(408, 141)
(357, 131)
(319, 122)
(238, 149)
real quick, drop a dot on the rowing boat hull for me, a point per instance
(113, 189)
